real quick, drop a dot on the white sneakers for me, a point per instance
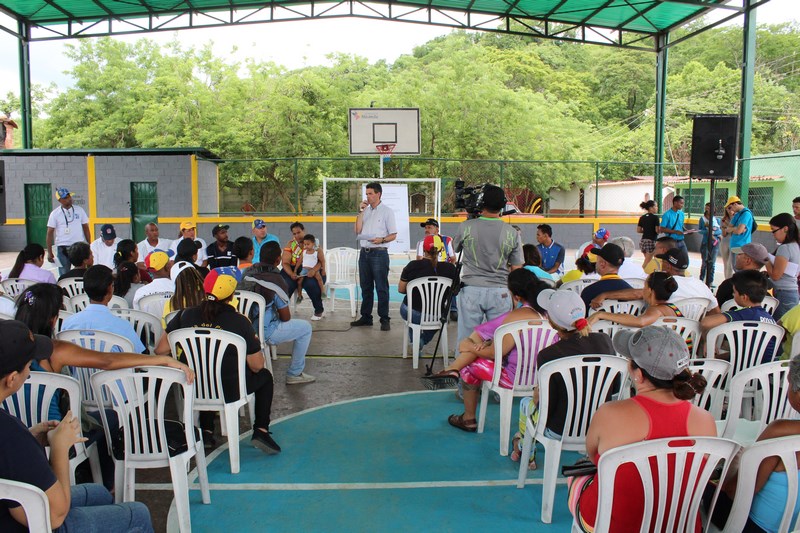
(302, 378)
(317, 317)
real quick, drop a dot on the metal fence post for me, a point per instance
(297, 207)
(502, 175)
(596, 188)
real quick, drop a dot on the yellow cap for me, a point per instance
(733, 200)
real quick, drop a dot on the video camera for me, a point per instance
(470, 199)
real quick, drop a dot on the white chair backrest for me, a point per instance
(248, 301)
(14, 286)
(204, 350)
(33, 501)
(630, 307)
(607, 327)
(771, 389)
(154, 303)
(62, 316)
(635, 283)
(770, 303)
(72, 286)
(694, 460)
(715, 371)
(78, 303)
(99, 341)
(577, 285)
(169, 316)
(727, 305)
(139, 399)
(692, 308)
(147, 327)
(431, 292)
(341, 264)
(590, 381)
(118, 302)
(579, 250)
(748, 343)
(687, 328)
(529, 337)
(31, 403)
(786, 448)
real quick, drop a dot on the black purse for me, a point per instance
(583, 467)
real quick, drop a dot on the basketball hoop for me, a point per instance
(385, 149)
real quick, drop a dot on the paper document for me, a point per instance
(365, 237)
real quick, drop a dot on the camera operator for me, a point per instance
(491, 248)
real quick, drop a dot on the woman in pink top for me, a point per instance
(29, 265)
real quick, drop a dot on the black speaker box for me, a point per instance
(714, 146)
(2, 192)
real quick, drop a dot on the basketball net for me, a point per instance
(385, 151)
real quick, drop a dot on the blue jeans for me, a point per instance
(787, 299)
(416, 317)
(681, 244)
(298, 331)
(312, 290)
(477, 305)
(61, 252)
(373, 266)
(93, 509)
(708, 256)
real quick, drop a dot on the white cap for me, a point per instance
(563, 307)
(177, 268)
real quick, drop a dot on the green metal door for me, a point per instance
(144, 206)
(38, 204)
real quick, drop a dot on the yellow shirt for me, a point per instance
(791, 323)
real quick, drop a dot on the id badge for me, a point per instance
(66, 231)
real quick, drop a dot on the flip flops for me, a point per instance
(458, 421)
(446, 379)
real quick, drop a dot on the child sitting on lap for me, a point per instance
(312, 266)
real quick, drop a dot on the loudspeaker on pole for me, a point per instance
(714, 146)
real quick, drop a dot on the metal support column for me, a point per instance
(661, 110)
(746, 100)
(24, 41)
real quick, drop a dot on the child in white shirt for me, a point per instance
(312, 265)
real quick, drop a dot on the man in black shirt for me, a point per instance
(220, 252)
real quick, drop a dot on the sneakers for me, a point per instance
(360, 322)
(316, 316)
(385, 326)
(263, 441)
(302, 378)
(208, 439)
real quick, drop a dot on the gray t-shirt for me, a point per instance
(791, 251)
(490, 246)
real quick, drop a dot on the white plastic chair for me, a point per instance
(695, 459)
(33, 501)
(153, 303)
(728, 305)
(786, 448)
(716, 372)
(771, 400)
(100, 341)
(687, 328)
(147, 327)
(769, 304)
(204, 350)
(62, 316)
(31, 404)
(14, 286)
(747, 341)
(139, 399)
(550, 283)
(78, 303)
(579, 250)
(635, 283)
(692, 308)
(118, 302)
(590, 381)
(342, 264)
(529, 337)
(4, 316)
(577, 285)
(72, 286)
(627, 307)
(431, 292)
(169, 316)
(248, 299)
(607, 327)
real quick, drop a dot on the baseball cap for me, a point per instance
(563, 308)
(108, 232)
(188, 225)
(20, 345)
(259, 224)
(658, 350)
(733, 200)
(754, 250)
(157, 259)
(188, 247)
(676, 257)
(494, 198)
(602, 233)
(611, 253)
(218, 228)
(432, 241)
(62, 192)
(429, 222)
(221, 282)
(177, 268)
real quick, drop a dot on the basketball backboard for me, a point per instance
(372, 126)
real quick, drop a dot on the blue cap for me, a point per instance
(259, 224)
(62, 192)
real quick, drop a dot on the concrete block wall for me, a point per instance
(208, 188)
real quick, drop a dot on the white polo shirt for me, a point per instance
(146, 248)
(104, 255)
(68, 224)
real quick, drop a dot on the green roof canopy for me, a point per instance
(630, 23)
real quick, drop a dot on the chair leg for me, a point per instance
(202, 473)
(231, 415)
(506, 406)
(405, 340)
(552, 458)
(445, 351)
(273, 350)
(180, 487)
(130, 485)
(484, 403)
(223, 424)
(251, 408)
(352, 293)
(415, 348)
(94, 463)
(119, 481)
(527, 449)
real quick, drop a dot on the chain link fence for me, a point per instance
(582, 188)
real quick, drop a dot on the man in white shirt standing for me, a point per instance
(66, 225)
(104, 247)
(189, 231)
(152, 241)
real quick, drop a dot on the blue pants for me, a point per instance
(61, 252)
(373, 266)
(708, 255)
(298, 331)
(93, 509)
(426, 335)
(787, 299)
(312, 290)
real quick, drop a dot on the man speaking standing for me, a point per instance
(375, 224)
(491, 249)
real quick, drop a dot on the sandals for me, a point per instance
(458, 421)
(446, 379)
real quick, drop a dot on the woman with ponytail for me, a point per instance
(658, 366)
(475, 361)
(658, 289)
(429, 265)
(128, 252)
(127, 281)
(29, 265)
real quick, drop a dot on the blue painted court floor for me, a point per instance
(386, 463)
